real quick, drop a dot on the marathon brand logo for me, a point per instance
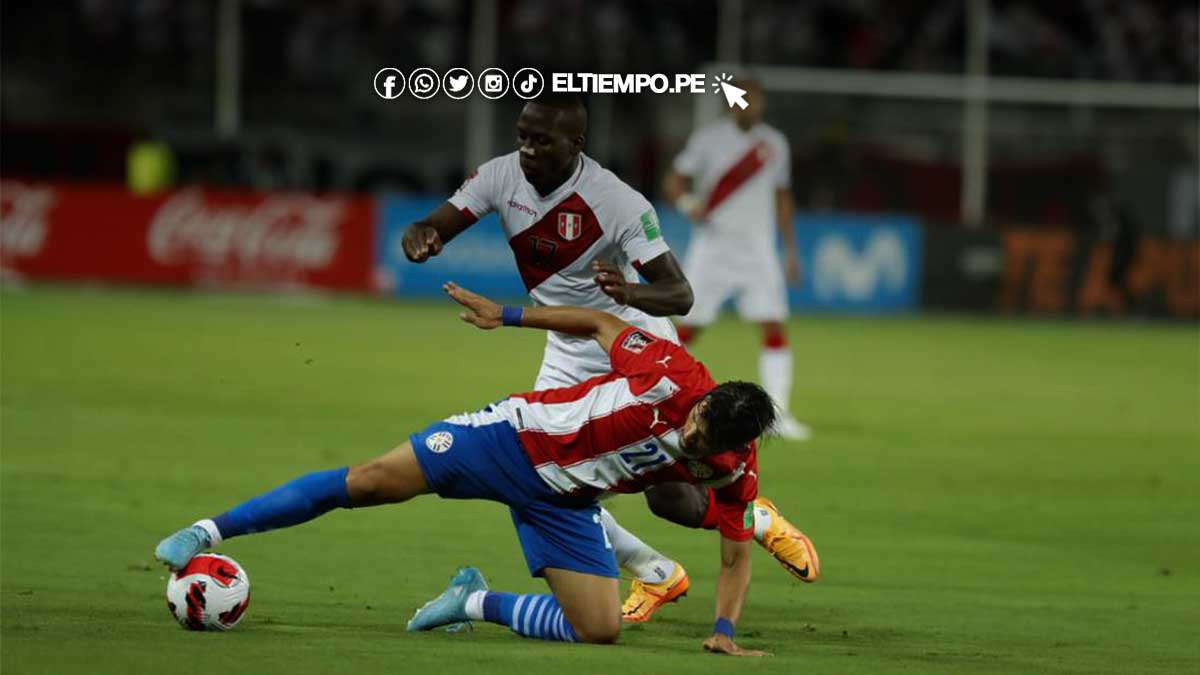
(514, 204)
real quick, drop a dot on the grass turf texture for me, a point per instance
(986, 496)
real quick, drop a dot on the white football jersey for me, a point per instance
(736, 173)
(593, 215)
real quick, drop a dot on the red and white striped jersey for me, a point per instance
(620, 432)
(736, 174)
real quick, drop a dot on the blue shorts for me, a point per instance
(487, 461)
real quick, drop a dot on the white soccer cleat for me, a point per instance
(792, 429)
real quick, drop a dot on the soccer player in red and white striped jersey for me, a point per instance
(568, 220)
(657, 417)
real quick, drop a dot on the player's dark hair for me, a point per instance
(571, 104)
(737, 413)
(561, 100)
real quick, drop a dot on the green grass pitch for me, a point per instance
(986, 495)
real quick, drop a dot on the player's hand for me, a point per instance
(612, 282)
(421, 242)
(691, 206)
(481, 312)
(791, 265)
(723, 644)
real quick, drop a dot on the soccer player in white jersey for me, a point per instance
(733, 181)
(580, 236)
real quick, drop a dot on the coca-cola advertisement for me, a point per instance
(187, 237)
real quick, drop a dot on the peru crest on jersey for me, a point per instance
(570, 226)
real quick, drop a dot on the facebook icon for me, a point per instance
(389, 83)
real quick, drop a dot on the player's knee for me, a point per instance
(599, 631)
(679, 503)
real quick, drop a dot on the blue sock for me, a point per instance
(532, 615)
(289, 504)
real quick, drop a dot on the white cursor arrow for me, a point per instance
(734, 96)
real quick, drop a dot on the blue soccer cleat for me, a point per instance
(451, 606)
(177, 549)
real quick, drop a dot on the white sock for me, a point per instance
(775, 373)
(214, 535)
(762, 520)
(634, 555)
(475, 605)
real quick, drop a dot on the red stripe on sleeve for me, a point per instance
(731, 521)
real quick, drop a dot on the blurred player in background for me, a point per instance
(733, 181)
(580, 237)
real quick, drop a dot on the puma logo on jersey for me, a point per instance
(657, 421)
(663, 361)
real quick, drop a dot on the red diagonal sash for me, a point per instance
(540, 249)
(737, 175)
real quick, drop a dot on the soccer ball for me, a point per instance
(210, 593)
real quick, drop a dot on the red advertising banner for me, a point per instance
(1054, 272)
(187, 237)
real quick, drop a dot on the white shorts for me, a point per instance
(721, 267)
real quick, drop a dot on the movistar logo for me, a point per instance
(841, 272)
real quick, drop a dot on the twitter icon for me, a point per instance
(458, 83)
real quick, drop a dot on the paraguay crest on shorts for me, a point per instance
(439, 441)
(570, 226)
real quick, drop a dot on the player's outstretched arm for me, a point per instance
(486, 314)
(426, 237)
(733, 582)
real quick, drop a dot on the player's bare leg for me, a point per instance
(657, 580)
(388, 479)
(689, 505)
(775, 373)
(590, 603)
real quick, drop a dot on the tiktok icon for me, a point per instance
(528, 83)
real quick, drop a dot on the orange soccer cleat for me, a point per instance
(645, 598)
(788, 545)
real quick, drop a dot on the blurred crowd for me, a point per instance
(86, 78)
(320, 42)
(1142, 40)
